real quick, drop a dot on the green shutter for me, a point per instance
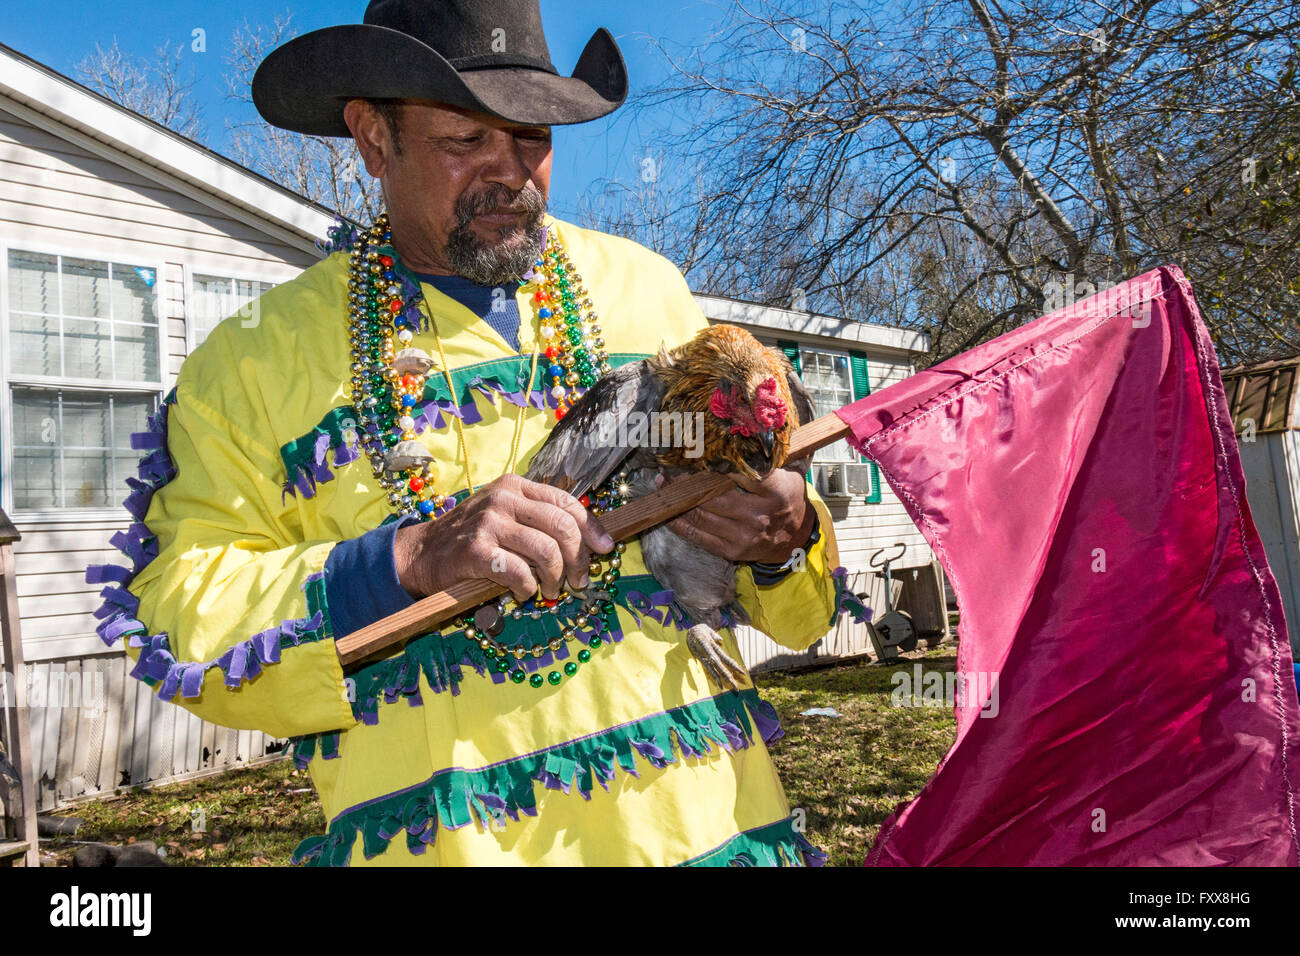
(861, 380)
(861, 389)
(791, 350)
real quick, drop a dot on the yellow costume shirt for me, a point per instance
(430, 757)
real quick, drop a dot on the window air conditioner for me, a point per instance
(843, 479)
(857, 478)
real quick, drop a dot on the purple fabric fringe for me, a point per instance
(242, 662)
(846, 601)
(117, 615)
(340, 237)
(767, 722)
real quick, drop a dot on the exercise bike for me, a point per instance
(892, 631)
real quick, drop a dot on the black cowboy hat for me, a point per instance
(484, 55)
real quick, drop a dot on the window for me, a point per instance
(216, 298)
(72, 449)
(84, 370)
(834, 378)
(77, 318)
(827, 377)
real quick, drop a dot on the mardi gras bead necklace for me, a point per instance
(388, 382)
(595, 609)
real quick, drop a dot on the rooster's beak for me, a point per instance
(765, 439)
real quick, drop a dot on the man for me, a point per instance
(423, 348)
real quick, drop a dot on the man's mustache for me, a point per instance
(500, 199)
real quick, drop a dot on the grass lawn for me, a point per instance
(252, 817)
(847, 773)
(850, 772)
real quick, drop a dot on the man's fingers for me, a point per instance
(732, 503)
(593, 532)
(752, 485)
(720, 526)
(561, 525)
(538, 549)
(706, 538)
(512, 571)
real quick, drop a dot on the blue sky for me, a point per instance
(60, 32)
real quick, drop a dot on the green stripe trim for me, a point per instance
(441, 656)
(455, 796)
(774, 844)
(508, 373)
(315, 592)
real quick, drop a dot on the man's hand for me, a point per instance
(761, 520)
(516, 532)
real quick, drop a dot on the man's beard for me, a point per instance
(516, 249)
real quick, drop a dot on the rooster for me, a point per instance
(749, 401)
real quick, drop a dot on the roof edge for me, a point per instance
(812, 324)
(45, 91)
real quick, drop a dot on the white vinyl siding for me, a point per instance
(82, 203)
(59, 198)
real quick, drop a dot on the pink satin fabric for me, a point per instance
(1079, 479)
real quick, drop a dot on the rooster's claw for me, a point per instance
(705, 643)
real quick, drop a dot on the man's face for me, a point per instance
(465, 191)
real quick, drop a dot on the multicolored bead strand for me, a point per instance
(388, 382)
(569, 326)
(485, 623)
(387, 386)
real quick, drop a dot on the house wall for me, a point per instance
(57, 196)
(1271, 464)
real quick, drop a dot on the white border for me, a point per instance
(754, 315)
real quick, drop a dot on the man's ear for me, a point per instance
(371, 135)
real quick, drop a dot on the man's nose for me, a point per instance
(506, 163)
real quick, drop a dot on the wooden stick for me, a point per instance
(429, 613)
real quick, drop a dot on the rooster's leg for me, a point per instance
(706, 645)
